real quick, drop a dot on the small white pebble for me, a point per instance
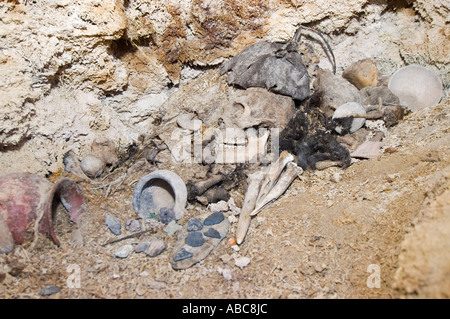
(235, 248)
(242, 262)
(232, 219)
(226, 273)
(233, 208)
(221, 206)
(335, 178)
(123, 251)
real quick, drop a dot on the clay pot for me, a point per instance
(161, 189)
(26, 197)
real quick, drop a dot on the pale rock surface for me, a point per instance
(424, 263)
(71, 71)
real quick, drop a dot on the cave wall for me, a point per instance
(74, 70)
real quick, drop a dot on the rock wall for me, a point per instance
(424, 263)
(74, 70)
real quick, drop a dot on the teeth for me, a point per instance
(238, 150)
(292, 171)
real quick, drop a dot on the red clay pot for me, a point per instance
(24, 197)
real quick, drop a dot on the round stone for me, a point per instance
(132, 225)
(194, 224)
(213, 219)
(155, 248)
(347, 109)
(92, 166)
(195, 239)
(143, 245)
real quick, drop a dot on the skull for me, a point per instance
(237, 140)
(244, 118)
(258, 107)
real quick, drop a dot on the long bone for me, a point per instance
(265, 187)
(254, 183)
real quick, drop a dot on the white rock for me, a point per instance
(226, 273)
(221, 206)
(232, 207)
(172, 228)
(92, 166)
(232, 219)
(242, 262)
(348, 109)
(123, 251)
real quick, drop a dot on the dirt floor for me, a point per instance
(333, 234)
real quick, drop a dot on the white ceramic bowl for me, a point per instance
(416, 86)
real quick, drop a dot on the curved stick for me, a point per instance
(324, 44)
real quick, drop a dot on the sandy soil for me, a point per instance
(333, 234)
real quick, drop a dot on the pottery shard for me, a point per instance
(362, 73)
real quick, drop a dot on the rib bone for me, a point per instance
(273, 173)
(292, 171)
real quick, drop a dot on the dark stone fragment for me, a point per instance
(113, 224)
(276, 66)
(212, 233)
(194, 239)
(194, 224)
(213, 219)
(141, 247)
(183, 254)
(48, 290)
(166, 215)
(216, 194)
